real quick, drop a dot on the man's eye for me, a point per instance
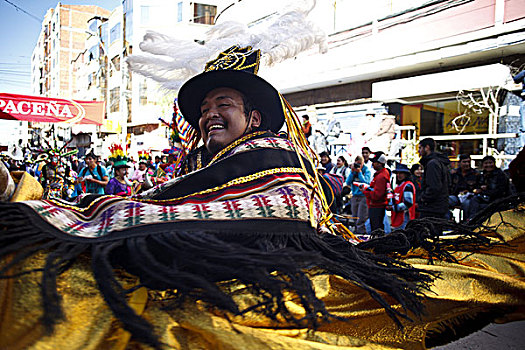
(203, 111)
(224, 105)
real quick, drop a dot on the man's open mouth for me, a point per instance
(215, 127)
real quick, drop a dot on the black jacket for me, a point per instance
(435, 184)
(497, 184)
(462, 183)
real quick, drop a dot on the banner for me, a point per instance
(50, 110)
(467, 123)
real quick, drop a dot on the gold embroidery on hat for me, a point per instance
(236, 58)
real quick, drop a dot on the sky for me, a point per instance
(18, 36)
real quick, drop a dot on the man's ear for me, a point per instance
(256, 119)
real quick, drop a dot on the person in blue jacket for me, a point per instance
(359, 174)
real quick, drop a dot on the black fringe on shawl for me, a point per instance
(203, 265)
(425, 233)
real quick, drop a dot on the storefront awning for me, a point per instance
(410, 90)
(50, 110)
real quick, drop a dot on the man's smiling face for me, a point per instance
(223, 119)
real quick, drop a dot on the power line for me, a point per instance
(24, 11)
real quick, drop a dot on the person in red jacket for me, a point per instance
(376, 194)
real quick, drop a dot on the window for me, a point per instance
(179, 12)
(114, 99)
(114, 33)
(143, 93)
(204, 14)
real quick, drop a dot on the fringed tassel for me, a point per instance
(114, 295)
(58, 260)
(193, 263)
(201, 265)
(425, 234)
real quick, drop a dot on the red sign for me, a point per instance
(50, 110)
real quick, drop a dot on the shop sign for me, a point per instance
(455, 122)
(50, 110)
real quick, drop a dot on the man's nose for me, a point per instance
(212, 112)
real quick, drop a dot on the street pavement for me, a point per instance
(509, 336)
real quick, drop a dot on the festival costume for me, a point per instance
(241, 253)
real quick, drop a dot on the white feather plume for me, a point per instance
(172, 61)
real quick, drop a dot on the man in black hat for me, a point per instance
(228, 100)
(226, 115)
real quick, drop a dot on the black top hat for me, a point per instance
(235, 68)
(401, 168)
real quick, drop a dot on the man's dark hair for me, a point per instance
(248, 108)
(306, 117)
(91, 155)
(428, 142)
(488, 158)
(464, 156)
(366, 149)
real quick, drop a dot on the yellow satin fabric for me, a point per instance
(484, 281)
(28, 188)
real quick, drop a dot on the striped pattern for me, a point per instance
(280, 193)
(284, 200)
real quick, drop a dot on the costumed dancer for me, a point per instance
(119, 184)
(242, 250)
(56, 177)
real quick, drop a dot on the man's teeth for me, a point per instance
(215, 127)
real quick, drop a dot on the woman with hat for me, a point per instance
(118, 185)
(404, 208)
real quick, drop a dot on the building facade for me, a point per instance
(61, 39)
(134, 104)
(419, 60)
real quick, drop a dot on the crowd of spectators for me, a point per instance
(70, 176)
(432, 188)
